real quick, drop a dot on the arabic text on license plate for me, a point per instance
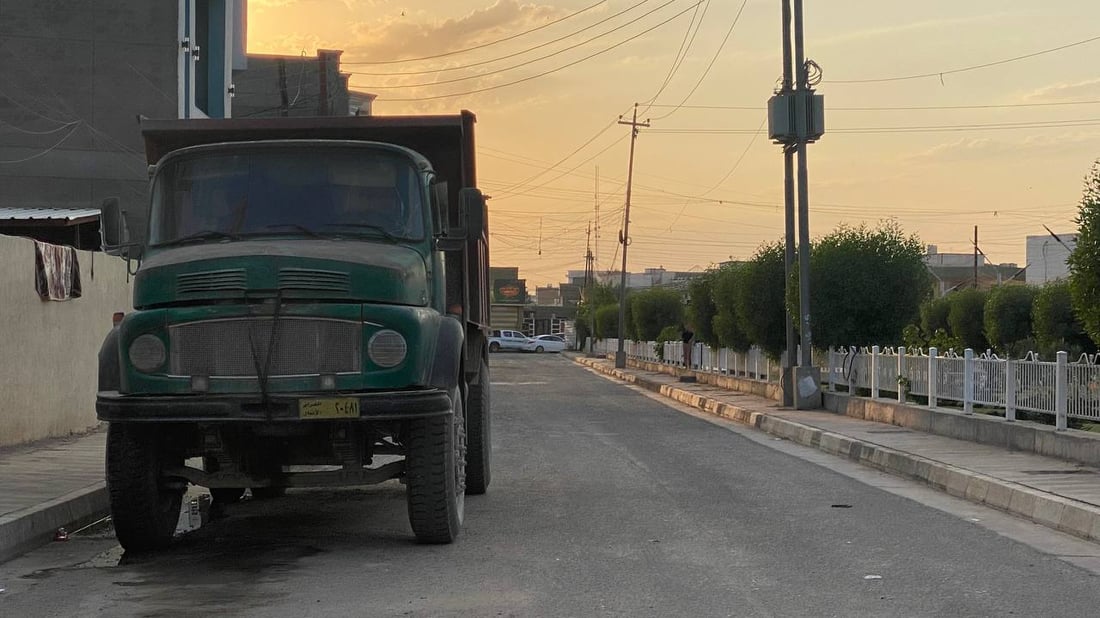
(347, 407)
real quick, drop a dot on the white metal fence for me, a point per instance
(1058, 388)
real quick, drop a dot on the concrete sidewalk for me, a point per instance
(1056, 493)
(50, 485)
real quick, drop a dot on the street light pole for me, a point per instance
(624, 238)
(788, 217)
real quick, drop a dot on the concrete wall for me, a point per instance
(48, 356)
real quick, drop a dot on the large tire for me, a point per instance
(540, 349)
(435, 474)
(494, 347)
(478, 434)
(144, 507)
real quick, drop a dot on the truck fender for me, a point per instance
(448, 354)
(110, 375)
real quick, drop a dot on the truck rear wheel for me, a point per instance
(145, 507)
(435, 462)
(478, 434)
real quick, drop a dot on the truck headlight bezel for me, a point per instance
(387, 348)
(147, 353)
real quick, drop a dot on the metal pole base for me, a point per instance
(620, 360)
(788, 387)
(806, 388)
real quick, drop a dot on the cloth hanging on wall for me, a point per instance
(56, 272)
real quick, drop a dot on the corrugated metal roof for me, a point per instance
(46, 214)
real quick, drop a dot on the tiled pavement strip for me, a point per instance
(1052, 492)
(49, 485)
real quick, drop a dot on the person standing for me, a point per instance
(687, 336)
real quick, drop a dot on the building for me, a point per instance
(956, 271)
(273, 86)
(650, 277)
(1047, 256)
(549, 296)
(75, 78)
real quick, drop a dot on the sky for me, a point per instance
(1003, 147)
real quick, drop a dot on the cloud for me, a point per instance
(1059, 93)
(396, 36)
(983, 148)
(916, 26)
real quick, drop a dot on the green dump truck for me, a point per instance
(310, 310)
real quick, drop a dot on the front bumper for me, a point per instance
(373, 406)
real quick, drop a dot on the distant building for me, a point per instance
(549, 296)
(1046, 257)
(650, 277)
(956, 271)
(274, 86)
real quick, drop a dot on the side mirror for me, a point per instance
(472, 210)
(113, 232)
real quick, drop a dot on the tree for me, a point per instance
(1007, 315)
(654, 309)
(966, 316)
(867, 285)
(595, 295)
(727, 330)
(1056, 326)
(1084, 262)
(607, 322)
(933, 315)
(701, 309)
(758, 299)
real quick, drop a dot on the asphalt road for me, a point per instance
(604, 502)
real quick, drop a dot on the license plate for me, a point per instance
(347, 407)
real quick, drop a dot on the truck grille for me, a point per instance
(314, 280)
(303, 346)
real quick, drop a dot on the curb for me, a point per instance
(1056, 512)
(25, 529)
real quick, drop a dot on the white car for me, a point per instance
(545, 343)
(507, 340)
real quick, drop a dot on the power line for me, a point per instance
(522, 51)
(896, 108)
(681, 53)
(551, 71)
(1039, 124)
(491, 43)
(736, 19)
(514, 66)
(975, 67)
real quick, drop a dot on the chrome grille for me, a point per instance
(303, 346)
(314, 280)
(214, 280)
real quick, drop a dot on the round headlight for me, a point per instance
(387, 348)
(147, 353)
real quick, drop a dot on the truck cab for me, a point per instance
(309, 310)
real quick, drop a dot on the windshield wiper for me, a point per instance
(370, 226)
(301, 228)
(202, 235)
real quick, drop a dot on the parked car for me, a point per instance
(545, 343)
(513, 340)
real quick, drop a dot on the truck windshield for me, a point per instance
(230, 194)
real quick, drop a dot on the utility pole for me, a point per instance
(975, 257)
(796, 117)
(788, 217)
(624, 238)
(803, 200)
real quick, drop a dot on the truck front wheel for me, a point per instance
(145, 507)
(435, 470)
